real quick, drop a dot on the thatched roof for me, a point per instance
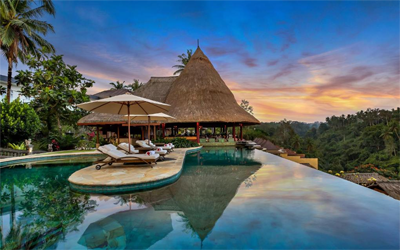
(203, 191)
(266, 144)
(157, 88)
(109, 93)
(198, 95)
(362, 178)
(392, 188)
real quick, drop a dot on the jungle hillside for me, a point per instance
(367, 141)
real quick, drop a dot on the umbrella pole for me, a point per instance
(129, 128)
(148, 128)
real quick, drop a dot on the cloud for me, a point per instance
(288, 37)
(273, 62)
(284, 71)
(251, 62)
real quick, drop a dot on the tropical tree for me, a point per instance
(246, 106)
(19, 121)
(54, 88)
(117, 85)
(387, 136)
(309, 145)
(394, 127)
(183, 59)
(21, 32)
(135, 85)
(296, 142)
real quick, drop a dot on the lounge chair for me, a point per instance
(145, 146)
(168, 146)
(124, 146)
(116, 156)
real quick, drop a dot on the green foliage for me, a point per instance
(16, 146)
(183, 59)
(18, 121)
(21, 31)
(344, 143)
(55, 88)
(117, 85)
(250, 133)
(135, 85)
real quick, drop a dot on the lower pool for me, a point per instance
(225, 198)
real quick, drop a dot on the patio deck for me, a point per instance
(127, 178)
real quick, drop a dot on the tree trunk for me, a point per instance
(9, 81)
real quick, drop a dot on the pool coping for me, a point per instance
(41, 157)
(132, 187)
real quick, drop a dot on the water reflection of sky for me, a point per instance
(219, 202)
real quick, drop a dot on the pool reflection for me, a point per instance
(206, 187)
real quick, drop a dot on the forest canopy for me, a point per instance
(349, 143)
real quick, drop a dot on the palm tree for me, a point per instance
(394, 127)
(183, 59)
(118, 85)
(20, 32)
(135, 85)
(309, 145)
(387, 136)
(296, 142)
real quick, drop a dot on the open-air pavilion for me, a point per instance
(204, 107)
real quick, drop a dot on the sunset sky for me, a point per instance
(301, 61)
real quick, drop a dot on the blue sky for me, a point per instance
(296, 60)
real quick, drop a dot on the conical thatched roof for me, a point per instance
(204, 191)
(200, 95)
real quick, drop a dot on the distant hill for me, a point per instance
(347, 142)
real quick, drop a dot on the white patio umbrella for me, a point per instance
(125, 104)
(154, 117)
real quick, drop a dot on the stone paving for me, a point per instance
(119, 174)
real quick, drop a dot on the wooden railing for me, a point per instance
(8, 152)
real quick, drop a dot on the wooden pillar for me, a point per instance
(241, 131)
(163, 130)
(197, 133)
(118, 134)
(225, 129)
(234, 132)
(154, 132)
(148, 128)
(129, 128)
(97, 137)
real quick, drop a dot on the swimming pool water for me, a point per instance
(225, 198)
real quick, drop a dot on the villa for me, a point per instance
(15, 89)
(199, 99)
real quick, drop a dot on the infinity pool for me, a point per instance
(225, 198)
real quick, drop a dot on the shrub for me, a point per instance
(65, 142)
(19, 121)
(16, 146)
